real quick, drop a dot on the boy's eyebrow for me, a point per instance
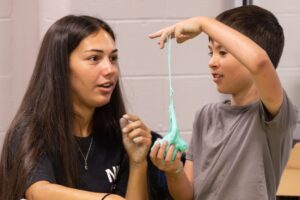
(218, 46)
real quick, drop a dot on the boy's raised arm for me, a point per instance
(246, 51)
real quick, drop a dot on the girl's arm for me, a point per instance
(43, 190)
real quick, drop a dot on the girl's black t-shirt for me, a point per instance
(103, 162)
(107, 169)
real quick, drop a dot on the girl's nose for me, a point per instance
(108, 66)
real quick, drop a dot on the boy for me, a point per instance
(239, 147)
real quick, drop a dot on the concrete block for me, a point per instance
(43, 27)
(190, 8)
(149, 98)
(279, 6)
(140, 56)
(55, 9)
(290, 55)
(186, 136)
(5, 47)
(2, 136)
(5, 8)
(120, 9)
(5, 102)
(290, 80)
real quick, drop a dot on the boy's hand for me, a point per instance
(182, 31)
(136, 138)
(164, 162)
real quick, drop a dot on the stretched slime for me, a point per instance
(173, 135)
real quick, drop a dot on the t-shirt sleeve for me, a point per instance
(279, 132)
(285, 120)
(43, 171)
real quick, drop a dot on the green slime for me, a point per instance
(173, 135)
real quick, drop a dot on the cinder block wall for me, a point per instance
(143, 65)
(5, 63)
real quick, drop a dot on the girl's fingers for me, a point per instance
(139, 132)
(133, 123)
(131, 117)
(123, 122)
(133, 126)
(138, 140)
(142, 140)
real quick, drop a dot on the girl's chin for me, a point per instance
(102, 102)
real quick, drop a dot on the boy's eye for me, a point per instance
(222, 53)
(210, 53)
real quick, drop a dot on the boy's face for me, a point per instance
(230, 76)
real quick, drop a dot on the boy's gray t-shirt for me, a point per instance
(238, 153)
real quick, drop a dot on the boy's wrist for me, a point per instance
(175, 174)
(202, 20)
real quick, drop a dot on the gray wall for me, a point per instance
(143, 65)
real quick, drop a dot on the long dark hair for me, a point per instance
(44, 122)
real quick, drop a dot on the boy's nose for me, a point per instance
(212, 63)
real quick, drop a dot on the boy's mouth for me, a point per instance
(217, 77)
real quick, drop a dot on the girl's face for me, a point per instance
(94, 71)
(230, 76)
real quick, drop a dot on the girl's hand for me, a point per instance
(136, 138)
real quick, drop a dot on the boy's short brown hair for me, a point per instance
(258, 24)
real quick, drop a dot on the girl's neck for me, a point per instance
(83, 121)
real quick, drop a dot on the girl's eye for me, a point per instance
(210, 53)
(93, 58)
(114, 58)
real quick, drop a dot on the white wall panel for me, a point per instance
(5, 102)
(143, 64)
(5, 8)
(5, 47)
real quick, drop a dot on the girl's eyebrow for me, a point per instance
(100, 51)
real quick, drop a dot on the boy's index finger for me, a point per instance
(155, 35)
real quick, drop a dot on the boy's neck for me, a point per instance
(245, 98)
